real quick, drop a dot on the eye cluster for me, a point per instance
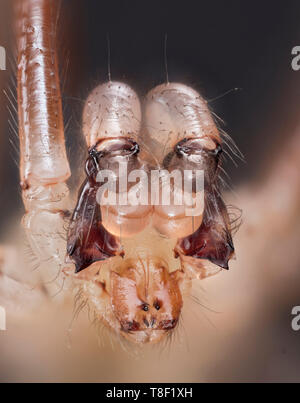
(157, 306)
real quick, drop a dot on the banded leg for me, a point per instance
(44, 166)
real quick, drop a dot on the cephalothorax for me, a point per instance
(133, 260)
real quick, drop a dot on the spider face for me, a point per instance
(148, 244)
(146, 299)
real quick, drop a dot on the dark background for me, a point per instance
(213, 46)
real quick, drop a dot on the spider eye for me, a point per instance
(145, 308)
(157, 305)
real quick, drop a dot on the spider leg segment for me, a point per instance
(44, 167)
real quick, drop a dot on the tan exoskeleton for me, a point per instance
(133, 263)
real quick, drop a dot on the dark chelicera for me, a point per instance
(88, 240)
(212, 240)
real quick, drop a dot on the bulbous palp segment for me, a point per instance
(43, 162)
(111, 110)
(174, 112)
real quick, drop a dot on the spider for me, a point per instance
(133, 263)
(256, 295)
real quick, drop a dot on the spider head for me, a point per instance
(146, 299)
